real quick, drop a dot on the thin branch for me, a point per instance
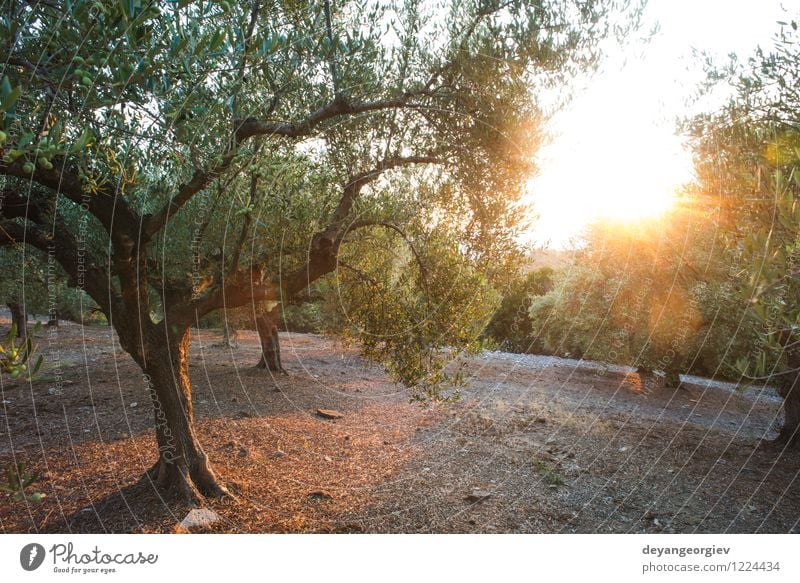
(245, 224)
(340, 106)
(391, 226)
(332, 55)
(354, 185)
(199, 180)
(361, 274)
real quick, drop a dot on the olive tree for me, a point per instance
(184, 157)
(748, 158)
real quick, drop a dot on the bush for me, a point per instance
(304, 318)
(653, 320)
(75, 305)
(510, 326)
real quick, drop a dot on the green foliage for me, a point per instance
(17, 481)
(651, 295)
(748, 159)
(76, 305)
(261, 147)
(16, 360)
(549, 473)
(511, 326)
(416, 306)
(304, 317)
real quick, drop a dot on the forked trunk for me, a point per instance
(267, 326)
(182, 464)
(19, 318)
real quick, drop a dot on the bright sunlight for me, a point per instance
(616, 152)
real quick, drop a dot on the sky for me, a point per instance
(615, 151)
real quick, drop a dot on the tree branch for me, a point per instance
(199, 180)
(368, 223)
(340, 106)
(108, 206)
(82, 268)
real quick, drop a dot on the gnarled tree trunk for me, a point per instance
(267, 327)
(19, 318)
(182, 464)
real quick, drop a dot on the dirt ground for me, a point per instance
(537, 444)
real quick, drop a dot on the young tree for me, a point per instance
(181, 158)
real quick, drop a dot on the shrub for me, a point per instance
(511, 326)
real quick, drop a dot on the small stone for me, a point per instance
(541, 420)
(199, 518)
(134, 405)
(320, 495)
(279, 454)
(243, 452)
(54, 391)
(329, 413)
(477, 495)
(624, 448)
(327, 458)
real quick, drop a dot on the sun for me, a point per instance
(613, 157)
(617, 172)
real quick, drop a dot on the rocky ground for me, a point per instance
(536, 444)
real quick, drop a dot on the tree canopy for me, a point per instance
(181, 157)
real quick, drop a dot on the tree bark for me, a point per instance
(19, 318)
(182, 464)
(267, 327)
(789, 389)
(229, 337)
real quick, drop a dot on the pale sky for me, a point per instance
(615, 152)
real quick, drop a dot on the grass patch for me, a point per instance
(549, 474)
